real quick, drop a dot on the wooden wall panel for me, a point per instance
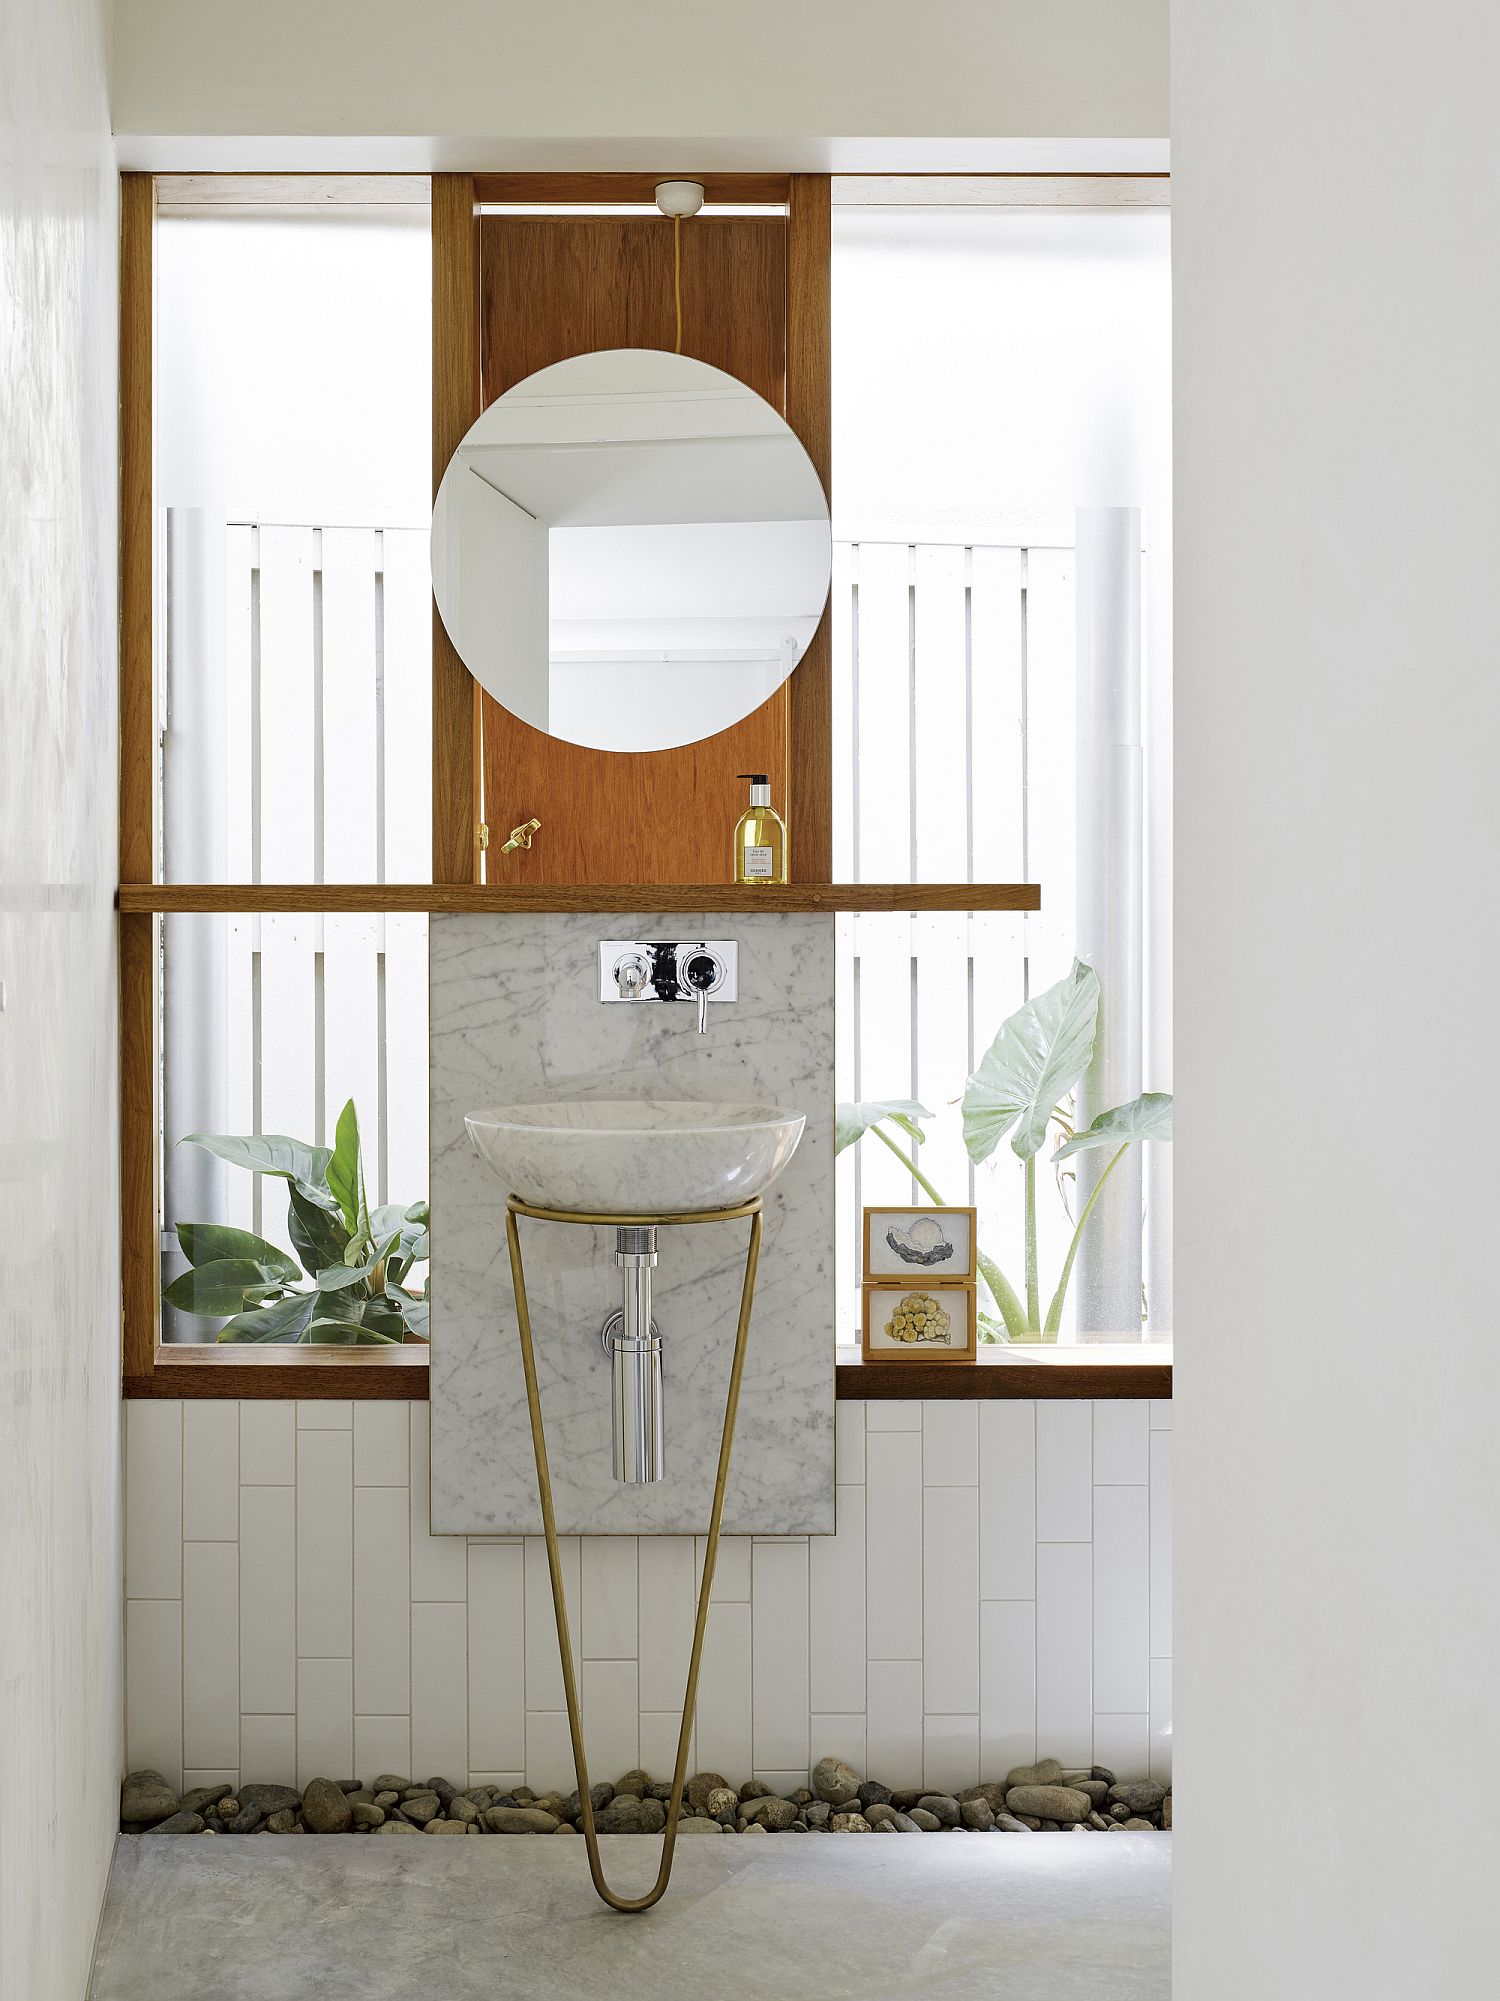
(809, 411)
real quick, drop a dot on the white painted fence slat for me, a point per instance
(348, 794)
(995, 714)
(940, 718)
(351, 1030)
(241, 719)
(844, 746)
(405, 963)
(883, 688)
(406, 791)
(285, 806)
(287, 1048)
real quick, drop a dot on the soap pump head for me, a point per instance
(760, 787)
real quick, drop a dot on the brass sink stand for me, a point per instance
(516, 1208)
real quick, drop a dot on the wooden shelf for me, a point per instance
(1105, 1370)
(234, 899)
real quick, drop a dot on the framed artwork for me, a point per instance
(919, 1323)
(908, 1245)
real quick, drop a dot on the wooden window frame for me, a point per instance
(151, 1368)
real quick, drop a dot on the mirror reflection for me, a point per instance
(630, 550)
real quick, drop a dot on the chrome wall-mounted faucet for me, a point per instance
(670, 970)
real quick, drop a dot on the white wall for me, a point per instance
(1338, 712)
(59, 1312)
(1000, 1585)
(597, 79)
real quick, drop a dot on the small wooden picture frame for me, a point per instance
(915, 1323)
(920, 1246)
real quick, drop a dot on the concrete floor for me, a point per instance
(963, 1917)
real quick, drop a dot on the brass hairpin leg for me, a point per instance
(549, 1530)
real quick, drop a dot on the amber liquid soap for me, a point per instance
(760, 838)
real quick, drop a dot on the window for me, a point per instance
(995, 369)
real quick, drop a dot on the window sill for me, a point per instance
(401, 1374)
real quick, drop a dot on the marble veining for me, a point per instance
(515, 1018)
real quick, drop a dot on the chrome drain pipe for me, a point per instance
(633, 1343)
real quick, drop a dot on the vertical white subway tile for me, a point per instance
(838, 1735)
(549, 1753)
(1161, 1414)
(325, 1414)
(210, 1470)
(950, 1753)
(782, 1779)
(268, 1751)
(268, 1447)
(1122, 1744)
(1064, 1652)
(544, 1688)
(609, 1586)
(1007, 1686)
(659, 1730)
(1161, 1722)
(836, 1610)
(440, 1693)
(153, 1499)
(1122, 1433)
(724, 1740)
(153, 1684)
(382, 1445)
(849, 1443)
(439, 1563)
(325, 1720)
(210, 1653)
(1122, 1612)
(893, 1722)
(382, 1602)
(1161, 1544)
(667, 1601)
(611, 1718)
(893, 1414)
(779, 1656)
(950, 1601)
(1064, 1471)
(382, 1745)
(268, 1602)
(731, 1568)
(950, 1443)
(325, 1545)
(507, 1782)
(1007, 1499)
(893, 1539)
(497, 1657)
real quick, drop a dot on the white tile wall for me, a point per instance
(999, 1588)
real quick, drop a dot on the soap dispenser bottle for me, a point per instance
(760, 837)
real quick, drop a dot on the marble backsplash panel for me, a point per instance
(515, 1017)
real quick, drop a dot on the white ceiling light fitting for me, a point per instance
(679, 198)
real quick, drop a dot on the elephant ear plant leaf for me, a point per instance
(1039, 1055)
(359, 1263)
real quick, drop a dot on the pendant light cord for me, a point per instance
(677, 274)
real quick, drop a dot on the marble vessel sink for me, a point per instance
(647, 1156)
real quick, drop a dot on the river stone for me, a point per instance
(202, 1797)
(723, 1799)
(325, 1810)
(697, 1825)
(444, 1788)
(1119, 1811)
(833, 1780)
(943, 1806)
(246, 1821)
(816, 1814)
(437, 1825)
(774, 1815)
(391, 1782)
(756, 1789)
(925, 1820)
(367, 1814)
(1166, 1812)
(396, 1827)
(1096, 1789)
(992, 1793)
(179, 1823)
(284, 1822)
(1140, 1795)
(1008, 1824)
(145, 1797)
(462, 1809)
(904, 1798)
(386, 1799)
(628, 1813)
(1046, 1772)
(1139, 1827)
(637, 1782)
(849, 1823)
(700, 1785)
(881, 1815)
(1059, 1803)
(419, 1810)
(977, 1814)
(270, 1799)
(1103, 1772)
(873, 1793)
(518, 1820)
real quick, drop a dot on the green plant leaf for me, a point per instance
(221, 1285)
(306, 1167)
(1038, 1056)
(410, 1225)
(284, 1321)
(339, 1277)
(207, 1243)
(318, 1235)
(853, 1121)
(1146, 1117)
(417, 1315)
(345, 1173)
(346, 1334)
(384, 1315)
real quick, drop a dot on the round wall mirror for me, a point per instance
(630, 550)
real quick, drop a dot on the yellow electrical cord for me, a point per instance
(677, 274)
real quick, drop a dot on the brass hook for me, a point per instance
(520, 837)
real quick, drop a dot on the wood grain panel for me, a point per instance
(558, 286)
(140, 1203)
(809, 411)
(455, 404)
(459, 898)
(603, 189)
(137, 747)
